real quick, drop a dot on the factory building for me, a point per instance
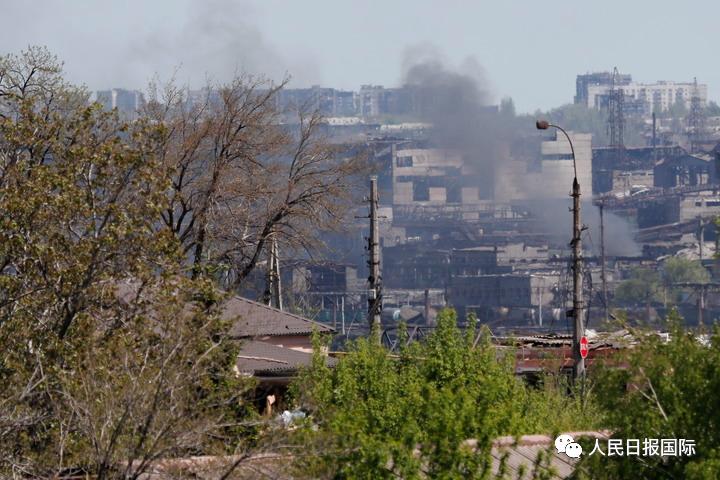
(512, 298)
(434, 177)
(551, 174)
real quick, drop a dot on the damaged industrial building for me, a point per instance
(472, 209)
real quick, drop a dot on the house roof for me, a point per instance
(266, 360)
(253, 319)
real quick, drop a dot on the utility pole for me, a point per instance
(701, 305)
(578, 310)
(701, 236)
(273, 291)
(654, 138)
(578, 307)
(342, 312)
(602, 260)
(427, 307)
(375, 281)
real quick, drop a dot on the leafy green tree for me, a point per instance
(712, 109)
(433, 410)
(643, 287)
(580, 118)
(110, 357)
(678, 270)
(677, 109)
(669, 390)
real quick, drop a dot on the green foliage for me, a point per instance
(669, 390)
(677, 109)
(432, 410)
(676, 270)
(647, 285)
(682, 270)
(712, 109)
(580, 118)
(109, 355)
(643, 287)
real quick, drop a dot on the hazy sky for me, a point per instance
(530, 50)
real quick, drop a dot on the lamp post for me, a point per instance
(578, 309)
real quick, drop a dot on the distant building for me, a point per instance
(432, 176)
(127, 102)
(664, 167)
(375, 100)
(512, 297)
(419, 265)
(415, 266)
(488, 258)
(328, 101)
(678, 208)
(326, 278)
(613, 170)
(550, 174)
(686, 171)
(647, 97)
(584, 82)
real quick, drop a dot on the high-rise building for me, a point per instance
(127, 102)
(374, 100)
(593, 90)
(328, 101)
(583, 82)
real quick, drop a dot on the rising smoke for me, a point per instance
(553, 220)
(459, 104)
(217, 40)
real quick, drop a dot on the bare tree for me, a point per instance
(243, 171)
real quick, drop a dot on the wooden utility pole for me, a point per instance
(603, 277)
(375, 281)
(273, 292)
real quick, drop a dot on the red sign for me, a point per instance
(584, 348)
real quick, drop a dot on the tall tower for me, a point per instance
(616, 117)
(696, 120)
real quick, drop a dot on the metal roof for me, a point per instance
(264, 359)
(253, 319)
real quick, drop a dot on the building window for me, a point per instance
(421, 191)
(405, 161)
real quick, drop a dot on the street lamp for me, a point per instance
(578, 308)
